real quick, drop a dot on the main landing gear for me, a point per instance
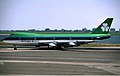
(57, 47)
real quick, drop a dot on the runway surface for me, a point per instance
(71, 61)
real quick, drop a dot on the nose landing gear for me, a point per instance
(15, 48)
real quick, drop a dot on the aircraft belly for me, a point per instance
(44, 42)
(61, 41)
(20, 42)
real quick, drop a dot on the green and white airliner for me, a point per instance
(59, 40)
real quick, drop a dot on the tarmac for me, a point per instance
(70, 61)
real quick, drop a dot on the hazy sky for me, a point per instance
(57, 14)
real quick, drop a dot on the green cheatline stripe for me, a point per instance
(55, 35)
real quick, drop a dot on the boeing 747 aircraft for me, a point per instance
(59, 40)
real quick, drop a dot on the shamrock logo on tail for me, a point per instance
(105, 27)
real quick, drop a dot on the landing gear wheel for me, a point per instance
(61, 47)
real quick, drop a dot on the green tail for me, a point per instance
(104, 27)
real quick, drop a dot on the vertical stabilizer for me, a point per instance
(104, 27)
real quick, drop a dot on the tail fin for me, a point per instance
(104, 27)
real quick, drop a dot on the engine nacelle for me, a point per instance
(72, 44)
(52, 44)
